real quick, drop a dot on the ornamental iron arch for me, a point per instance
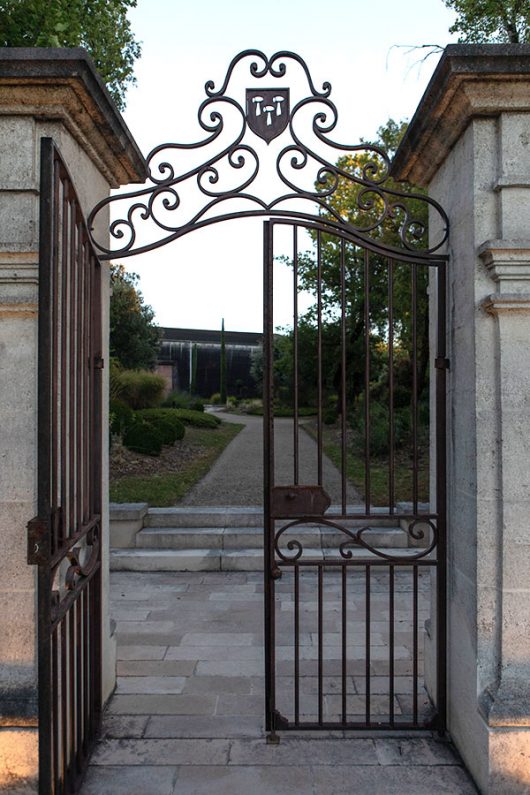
(225, 184)
(330, 548)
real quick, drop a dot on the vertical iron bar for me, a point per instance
(441, 503)
(367, 487)
(83, 446)
(80, 371)
(95, 584)
(268, 476)
(391, 642)
(78, 683)
(44, 462)
(63, 706)
(391, 494)
(72, 396)
(319, 358)
(414, 388)
(63, 463)
(415, 644)
(53, 312)
(55, 744)
(70, 694)
(367, 597)
(295, 354)
(344, 643)
(320, 645)
(86, 673)
(343, 375)
(296, 645)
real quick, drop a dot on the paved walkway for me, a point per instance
(237, 476)
(187, 717)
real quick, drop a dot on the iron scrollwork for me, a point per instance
(224, 186)
(294, 549)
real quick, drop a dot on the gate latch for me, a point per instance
(441, 364)
(38, 534)
(299, 501)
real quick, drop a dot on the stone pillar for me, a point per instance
(56, 93)
(469, 142)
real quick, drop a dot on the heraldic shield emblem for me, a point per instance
(267, 111)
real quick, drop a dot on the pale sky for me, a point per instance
(214, 273)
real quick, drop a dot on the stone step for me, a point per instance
(211, 516)
(213, 559)
(252, 537)
(187, 516)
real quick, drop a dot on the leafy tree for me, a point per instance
(101, 26)
(362, 208)
(481, 21)
(134, 338)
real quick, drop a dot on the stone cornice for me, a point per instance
(63, 84)
(507, 261)
(470, 81)
(503, 303)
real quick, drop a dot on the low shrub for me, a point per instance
(121, 416)
(140, 389)
(197, 418)
(215, 399)
(183, 400)
(166, 423)
(255, 408)
(143, 437)
(231, 402)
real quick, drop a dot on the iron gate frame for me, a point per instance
(275, 562)
(64, 539)
(162, 196)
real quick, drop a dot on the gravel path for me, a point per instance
(236, 478)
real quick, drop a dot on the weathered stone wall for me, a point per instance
(470, 143)
(53, 93)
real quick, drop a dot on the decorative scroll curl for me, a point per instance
(175, 201)
(74, 569)
(293, 549)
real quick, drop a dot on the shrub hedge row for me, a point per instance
(196, 418)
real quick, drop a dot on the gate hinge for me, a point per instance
(441, 364)
(99, 362)
(38, 535)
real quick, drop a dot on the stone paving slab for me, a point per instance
(123, 780)
(161, 752)
(187, 717)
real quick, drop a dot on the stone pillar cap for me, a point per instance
(56, 83)
(470, 80)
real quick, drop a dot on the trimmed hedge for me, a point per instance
(166, 422)
(121, 416)
(143, 437)
(197, 418)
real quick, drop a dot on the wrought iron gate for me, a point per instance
(379, 242)
(351, 638)
(65, 537)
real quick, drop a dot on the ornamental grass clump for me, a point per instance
(140, 389)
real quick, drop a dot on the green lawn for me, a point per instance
(379, 491)
(177, 473)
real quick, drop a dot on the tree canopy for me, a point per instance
(101, 26)
(498, 21)
(134, 338)
(406, 326)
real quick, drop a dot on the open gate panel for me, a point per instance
(355, 552)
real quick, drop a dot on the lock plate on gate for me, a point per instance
(290, 501)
